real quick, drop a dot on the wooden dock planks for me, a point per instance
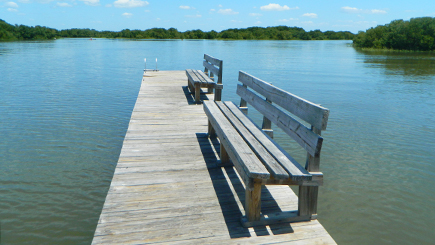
(168, 189)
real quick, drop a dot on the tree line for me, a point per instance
(22, 32)
(417, 34)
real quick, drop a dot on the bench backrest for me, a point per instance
(212, 67)
(277, 105)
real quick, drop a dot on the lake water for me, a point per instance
(65, 107)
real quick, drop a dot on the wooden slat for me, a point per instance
(191, 75)
(203, 78)
(212, 60)
(276, 170)
(244, 159)
(313, 114)
(211, 68)
(167, 189)
(306, 138)
(295, 170)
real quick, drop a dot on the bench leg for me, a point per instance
(253, 201)
(190, 86)
(308, 200)
(197, 92)
(218, 95)
(211, 131)
(210, 90)
(225, 158)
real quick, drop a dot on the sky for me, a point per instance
(116, 15)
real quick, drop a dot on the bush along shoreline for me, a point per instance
(417, 34)
(10, 32)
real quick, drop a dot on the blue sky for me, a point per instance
(115, 15)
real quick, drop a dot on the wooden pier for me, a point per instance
(168, 189)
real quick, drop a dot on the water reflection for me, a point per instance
(416, 66)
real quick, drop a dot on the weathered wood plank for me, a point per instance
(238, 150)
(310, 141)
(277, 171)
(212, 60)
(314, 114)
(167, 188)
(296, 171)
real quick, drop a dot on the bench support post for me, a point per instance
(308, 195)
(210, 89)
(197, 92)
(225, 158)
(243, 104)
(253, 200)
(267, 124)
(211, 131)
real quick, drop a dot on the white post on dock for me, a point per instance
(145, 65)
(156, 65)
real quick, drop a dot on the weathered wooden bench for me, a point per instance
(196, 79)
(257, 158)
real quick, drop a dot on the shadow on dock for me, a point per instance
(190, 97)
(230, 192)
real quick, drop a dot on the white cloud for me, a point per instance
(258, 22)
(220, 5)
(236, 21)
(255, 14)
(127, 15)
(91, 2)
(12, 10)
(193, 16)
(64, 4)
(186, 7)
(311, 15)
(276, 7)
(11, 5)
(130, 3)
(287, 20)
(212, 10)
(108, 5)
(378, 11)
(352, 10)
(227, 11)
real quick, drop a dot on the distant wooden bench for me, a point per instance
(257, 158)
(196, 79)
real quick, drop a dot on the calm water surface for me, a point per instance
(65, 107)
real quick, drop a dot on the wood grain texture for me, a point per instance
(167, 188)
(244, 159)
(295, 170)
(310, 141)
(276, 170)
(313, 114)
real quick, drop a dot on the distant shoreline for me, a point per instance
(22, 32)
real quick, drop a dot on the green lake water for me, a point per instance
(65, 107)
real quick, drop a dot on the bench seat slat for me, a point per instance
(203, 78)
(244, 159)
(276, 170)
(313, 114)
(306, 138)
(200, 77)
(295, 170)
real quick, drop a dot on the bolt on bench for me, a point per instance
(196, 79)
(261, 161)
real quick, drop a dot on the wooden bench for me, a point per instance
(196, 79)
(257, 158)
